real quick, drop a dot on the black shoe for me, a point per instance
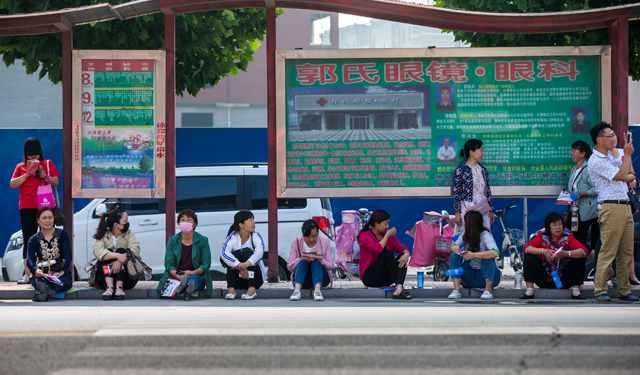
(526, 296)
(44, 288)
(40, 297)
(603, 298)
(183, 284)
(629, 297)
(634, 282)
(189, 291)
(579, 296)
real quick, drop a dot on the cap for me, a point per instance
(32, 146)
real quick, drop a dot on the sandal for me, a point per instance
(120, 294)
(106, 296)
(246, 296)
(403, 295)
(230, 296)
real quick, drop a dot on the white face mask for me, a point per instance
(185, 228)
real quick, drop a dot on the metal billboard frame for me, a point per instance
(159, 56)
(422, 53)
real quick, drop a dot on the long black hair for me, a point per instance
(473, 228)
(378, 216)
(27, 142)
(239, 218)
(470, 145)
(308, 226)
(107, 220)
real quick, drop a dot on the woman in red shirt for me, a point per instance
(379, 264)
(28, 182)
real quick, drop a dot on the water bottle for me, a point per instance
(574, 196)
(518, 282)
(420, 279)
(556, 279)
(455, 272)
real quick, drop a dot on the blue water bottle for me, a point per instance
(574, 196)
(420, 279)
(556, 279)
(455, 272)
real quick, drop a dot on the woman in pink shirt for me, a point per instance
(383, 259)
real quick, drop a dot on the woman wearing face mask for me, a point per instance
(379, 264)
(242, 253)
(471, 190)
(49, 253)
(27, 179)
(113, 238)
(188, 258)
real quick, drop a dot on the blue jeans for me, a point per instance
(197, 280)
(319, 274)
(474, 278)
(66, 283)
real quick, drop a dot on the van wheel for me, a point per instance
(283, 272)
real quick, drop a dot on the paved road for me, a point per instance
(307, 337)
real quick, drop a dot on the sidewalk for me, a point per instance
(341, 289)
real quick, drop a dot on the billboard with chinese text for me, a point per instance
(118, 124)
(391, 123)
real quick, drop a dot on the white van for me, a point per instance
(215, 193)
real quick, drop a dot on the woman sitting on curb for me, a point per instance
(49, 251)
(554, 250)
(113, 238)
(310, 252)
(476, 252)
(188, 258)
(242, 253)
(378, 264)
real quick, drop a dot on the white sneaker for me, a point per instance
(486, 295)
(296, 296)
(317, 295)
(455, 295)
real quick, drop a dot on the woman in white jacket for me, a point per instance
(242, 252)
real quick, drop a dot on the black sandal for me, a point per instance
(120, 294)
(107, 296)
(403, 295)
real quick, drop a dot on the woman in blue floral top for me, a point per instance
(471, 190)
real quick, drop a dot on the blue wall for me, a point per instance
(201, 146)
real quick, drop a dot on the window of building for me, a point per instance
(321, 29)
(335, 121)
(407, 121)
(383, 120)
(197, 120)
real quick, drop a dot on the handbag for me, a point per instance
(566, 217)
(135, 266)
(633, 196)
(51, 268)
(482, 207)
(58, 215)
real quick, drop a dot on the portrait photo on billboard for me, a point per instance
(446, 149)
(358, 113)
(445, 98)
(580, 120)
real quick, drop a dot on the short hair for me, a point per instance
(188, 213)
(550, 219)
(582, 146)
(445, 87)
(598, 131)
(308, 226)
(42, 210)
(580, 111)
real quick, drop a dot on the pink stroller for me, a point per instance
(347, 257)
(432, 239)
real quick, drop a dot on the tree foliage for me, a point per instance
(590, 37)
(209, 45)
(146, 164)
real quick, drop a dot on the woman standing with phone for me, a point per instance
(27, 176)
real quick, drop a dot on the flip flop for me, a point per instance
(230, 296)
(246, 296)
(403, 295)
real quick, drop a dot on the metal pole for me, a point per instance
(622, 110)
(67, 133)
(170, 166)
(271, 140)
(614, 33)
(525, 220)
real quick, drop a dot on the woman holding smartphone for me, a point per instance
(28, 175)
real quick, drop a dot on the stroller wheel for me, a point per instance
(340, 273)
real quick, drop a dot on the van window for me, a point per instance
(259, 201)
(135, 206)
(204, 194)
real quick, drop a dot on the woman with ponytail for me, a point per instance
(379, 264)
(113, 238)
(471, 190)
(242, 254)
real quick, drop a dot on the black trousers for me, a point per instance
(583, 230)
(233, 275)
(127, 282)
(385, 271)
(29, 227)
(572, 273)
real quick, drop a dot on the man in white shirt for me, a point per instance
(610, 177)
(446, 153)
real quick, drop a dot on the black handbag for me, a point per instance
(634, 198)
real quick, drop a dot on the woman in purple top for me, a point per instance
(383, 259)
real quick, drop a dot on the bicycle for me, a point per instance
(513, 239)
